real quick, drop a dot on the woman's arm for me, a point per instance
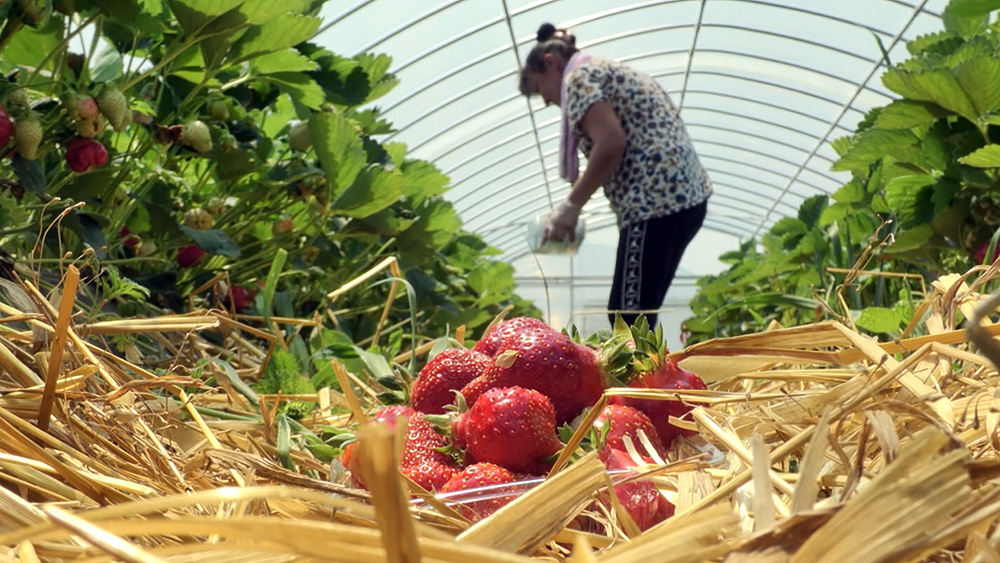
(602, 126)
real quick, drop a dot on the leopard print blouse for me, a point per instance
(660, 172)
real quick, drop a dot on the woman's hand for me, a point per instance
(561, 222)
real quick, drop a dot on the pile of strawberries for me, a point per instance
(488, 416)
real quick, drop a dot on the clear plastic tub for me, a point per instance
(569, 247)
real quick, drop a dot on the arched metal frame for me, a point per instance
(763, 136)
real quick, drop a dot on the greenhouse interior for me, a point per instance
(379, 280)
(763, 87)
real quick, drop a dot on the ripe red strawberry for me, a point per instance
(6, 128)
(496, 336)
(114, 106)
(189, 255)
(668, 376)
(239, 297)
(83, 155)
(621, 421)
(28, 136)
(476, 476)
(391, 414)
(131, 241)
(546, 361)
(422, 459)
(447, 372)
(981, 252)
(641, 499)
(512, 427)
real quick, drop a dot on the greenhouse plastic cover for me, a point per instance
(763, 87)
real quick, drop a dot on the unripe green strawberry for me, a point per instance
(89, 128)
(114, 106)
(298, 137)
(217, 110)
(197, 136)
(18, 97)
(32, 11)
(28, 136)
(198, 219)
(215, 205)
(146, 248)
(80, 107)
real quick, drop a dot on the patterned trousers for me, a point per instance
(649, 253)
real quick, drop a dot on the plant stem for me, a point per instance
(10, 29)
(61, 47)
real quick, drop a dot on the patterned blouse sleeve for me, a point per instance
(586, 87)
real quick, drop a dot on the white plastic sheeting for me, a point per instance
(763, 87)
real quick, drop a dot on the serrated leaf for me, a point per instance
(372, 191)
(376, 364)
(262, 11)
(107, 65)
(30, 175)
(875, 144)
(288, 60)
(121, 10)
(979, 77)
(942, 42)
(965, 17)
(907, 114)
(278, 33)
(92, 231)
(300, 87)
(339, 148)
(834, 213)
(986, 157)
(973, 8)
(851, 192)
(910, 198)
(944, 194)
(911, 239)
(879, 319)
(213, 241)
(811, 209)
(29, 45)
(939, 86)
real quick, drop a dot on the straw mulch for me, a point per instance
(819, 444)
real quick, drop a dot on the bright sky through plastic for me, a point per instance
(764, 87)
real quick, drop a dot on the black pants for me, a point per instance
(648, 256)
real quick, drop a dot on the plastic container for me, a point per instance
(568, 247)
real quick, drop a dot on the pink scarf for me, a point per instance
(569, 157)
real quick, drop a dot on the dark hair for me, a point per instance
(551, 39)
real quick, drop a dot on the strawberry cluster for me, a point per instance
(488, 417)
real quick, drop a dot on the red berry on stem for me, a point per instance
(84, 155)
(511, 427)
(189, 255)
(449, 371)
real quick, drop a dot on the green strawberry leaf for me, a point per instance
(213, 241)
(986, 157)
(880, 320)
(30, 174)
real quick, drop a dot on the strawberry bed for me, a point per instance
(809, 443)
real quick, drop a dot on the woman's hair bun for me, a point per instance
(546, 31)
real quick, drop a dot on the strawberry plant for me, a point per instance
(921, 200)
(203, 139)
